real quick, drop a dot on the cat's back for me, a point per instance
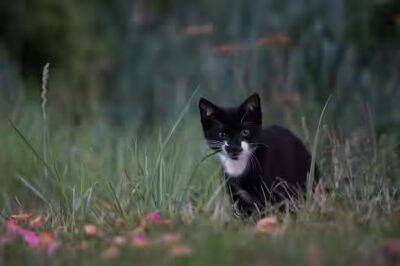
(278, 134)
(285, 154)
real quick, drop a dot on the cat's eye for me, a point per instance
(245, 133)
(222, 134)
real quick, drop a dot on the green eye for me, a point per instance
(245, 133)
(222, 134)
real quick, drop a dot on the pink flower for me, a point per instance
(31, 239)
(155, 218)
(141, 241)
(11, 226)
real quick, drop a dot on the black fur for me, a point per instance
(277, 171)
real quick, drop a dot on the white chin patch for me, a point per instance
(236, 167)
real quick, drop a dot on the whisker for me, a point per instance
(259, 143)
(256, 160)
(215, 141)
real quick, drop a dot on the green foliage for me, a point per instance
(69, 34)
(105, 62)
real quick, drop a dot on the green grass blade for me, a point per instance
(34, 190)
(311, 175)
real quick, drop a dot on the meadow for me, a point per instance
(95, 192)
(103, 161)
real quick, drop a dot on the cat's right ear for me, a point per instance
(207, 108)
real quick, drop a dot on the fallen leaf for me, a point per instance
(268, 225)
(157, 219)
(37, 223)
(119, 241)
(141, 229)
(120, 223)
(111, 253)
(180, 251)
(170, 238)
(83, 245)
(143, 224)
(21, 218)
(91, 230)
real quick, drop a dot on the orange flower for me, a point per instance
(274, 40)
(228, 49)
(49, 243)
(47, 239)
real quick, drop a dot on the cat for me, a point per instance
(262, 166)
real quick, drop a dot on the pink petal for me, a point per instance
(11, 226)
(30, 238)
(155, 218)
(141, 241)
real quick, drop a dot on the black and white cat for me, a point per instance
(262, 166)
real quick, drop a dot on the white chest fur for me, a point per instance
(236, 167)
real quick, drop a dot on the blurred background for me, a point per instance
(135, 63)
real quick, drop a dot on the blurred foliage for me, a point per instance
(138, 61)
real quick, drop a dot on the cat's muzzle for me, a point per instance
(233, 151)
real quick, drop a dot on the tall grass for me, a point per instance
(95, 174)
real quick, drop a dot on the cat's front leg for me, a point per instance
(242, 202)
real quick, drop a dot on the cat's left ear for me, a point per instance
(207, 108)
(252, 103)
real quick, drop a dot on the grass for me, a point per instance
(91, 174)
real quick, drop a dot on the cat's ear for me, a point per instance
(252, 103)
(207, 108)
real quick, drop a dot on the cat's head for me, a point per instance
(232, 131)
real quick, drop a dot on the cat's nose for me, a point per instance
(233, 149)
